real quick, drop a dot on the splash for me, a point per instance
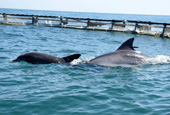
(76, 62)
(159, 59)
(79, 61)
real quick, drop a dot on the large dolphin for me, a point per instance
(125, 55)
(41, 58)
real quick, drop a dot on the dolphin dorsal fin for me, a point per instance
(71, 57)
(127, 45)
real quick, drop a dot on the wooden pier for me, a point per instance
(131, 26)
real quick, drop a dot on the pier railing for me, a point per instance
(131, 26)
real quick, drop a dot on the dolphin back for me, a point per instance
(125, 55)
(40, 58)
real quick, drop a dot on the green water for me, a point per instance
(81, 89)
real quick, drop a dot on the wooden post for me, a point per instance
(88, 22)
(163, 31)
(66, 22)
(136, 25)
(124, 22)
(61, 21)
(5, 18)
(34, 20)
(150, 25)
(113, 22)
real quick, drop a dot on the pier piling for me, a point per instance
(35, 20)
(5, 18)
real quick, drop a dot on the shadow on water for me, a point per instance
(115, 74)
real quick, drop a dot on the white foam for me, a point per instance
(76, 62)
(159, 59)
(79, 61)
(138, 52)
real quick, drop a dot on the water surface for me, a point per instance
(81, 89)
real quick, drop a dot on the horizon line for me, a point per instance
(87, 12)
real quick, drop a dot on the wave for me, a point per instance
(159, 59)
(79, 61)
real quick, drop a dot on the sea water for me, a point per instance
(77, 88)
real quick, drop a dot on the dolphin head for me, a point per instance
(20, 58)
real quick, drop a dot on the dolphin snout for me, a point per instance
(15, 60)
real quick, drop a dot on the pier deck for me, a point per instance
(130, 26)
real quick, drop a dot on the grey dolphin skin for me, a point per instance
(40, 58)
(125, 55)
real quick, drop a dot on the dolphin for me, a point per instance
(41, 58)
(124, 56)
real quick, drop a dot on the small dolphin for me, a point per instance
(125, 55)
(40, 58)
